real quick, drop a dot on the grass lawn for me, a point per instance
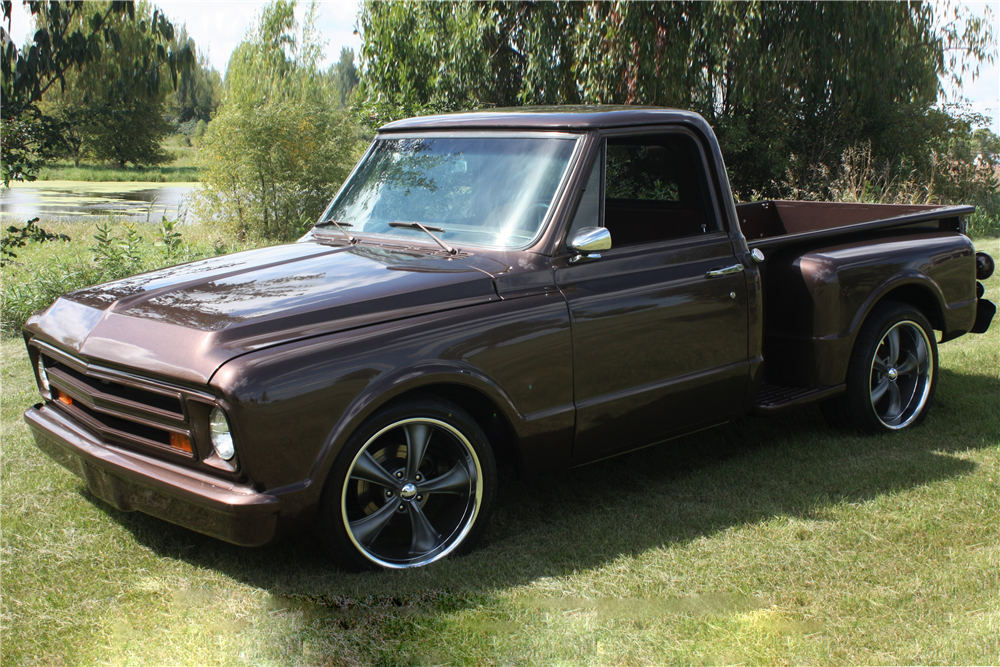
(761, 542)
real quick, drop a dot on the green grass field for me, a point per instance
(103, 173)
(760, 542)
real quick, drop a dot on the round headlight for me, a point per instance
(43, 377)
(222, 439)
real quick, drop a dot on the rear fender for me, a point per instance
(817, 301)
(931, 302)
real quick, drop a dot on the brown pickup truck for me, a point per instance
(549, 287)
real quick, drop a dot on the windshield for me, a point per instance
(482, 190)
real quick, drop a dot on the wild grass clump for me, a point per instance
(96, 253)
(860, 178)
(982, 224)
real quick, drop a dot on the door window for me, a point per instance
(655, 190)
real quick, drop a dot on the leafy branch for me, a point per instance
(18, 237)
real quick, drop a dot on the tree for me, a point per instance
(986, 145)
(71, 37)
(199, 89)
(344, 76)
(120, 119)
(129, 132)
(277, 149)
(776, 80)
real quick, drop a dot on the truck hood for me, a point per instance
(185, 321)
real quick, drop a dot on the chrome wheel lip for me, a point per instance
(915, 404)
(457, 536)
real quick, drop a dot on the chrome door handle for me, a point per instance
(735, 268)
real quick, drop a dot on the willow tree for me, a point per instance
(132, 43)
(804, 79)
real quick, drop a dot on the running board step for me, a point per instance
(774, 398)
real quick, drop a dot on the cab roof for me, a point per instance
(547, 118)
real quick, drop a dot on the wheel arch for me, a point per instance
(485, 402)
(480, 406)
(921, 296)
(917, 291)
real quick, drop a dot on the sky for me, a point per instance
(218, 26)
(984, 92)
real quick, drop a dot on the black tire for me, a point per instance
(382, 509)
(892, 374)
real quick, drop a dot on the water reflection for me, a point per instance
(81, 200)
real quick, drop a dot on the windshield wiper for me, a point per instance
(340, 226)
(428, 229)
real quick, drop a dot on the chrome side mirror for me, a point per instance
(588, 242)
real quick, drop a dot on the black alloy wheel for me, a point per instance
(892, 373)
(415, 484)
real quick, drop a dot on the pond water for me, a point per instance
(82, 200)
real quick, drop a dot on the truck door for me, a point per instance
(659, 322)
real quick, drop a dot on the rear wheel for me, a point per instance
(416, 483)
(892, 372)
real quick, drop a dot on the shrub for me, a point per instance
(278, 148)
(267, 165)
(40, 273)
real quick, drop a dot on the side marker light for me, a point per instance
(181, 442)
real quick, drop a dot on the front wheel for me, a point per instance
(415, 483)
(892, 373)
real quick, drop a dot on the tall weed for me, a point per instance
(169, 238)
(112, 250)
(119, 254)
(859, 178)
(951, 179)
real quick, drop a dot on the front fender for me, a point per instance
(295, 406)
(403, 381)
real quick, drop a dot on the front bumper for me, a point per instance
(133, 482)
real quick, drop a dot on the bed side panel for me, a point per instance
(815, 302)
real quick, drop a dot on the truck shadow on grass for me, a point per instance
(739, 474)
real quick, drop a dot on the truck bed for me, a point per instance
(770, 224)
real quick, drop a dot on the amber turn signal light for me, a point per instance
(181, 442)
(62, 398)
